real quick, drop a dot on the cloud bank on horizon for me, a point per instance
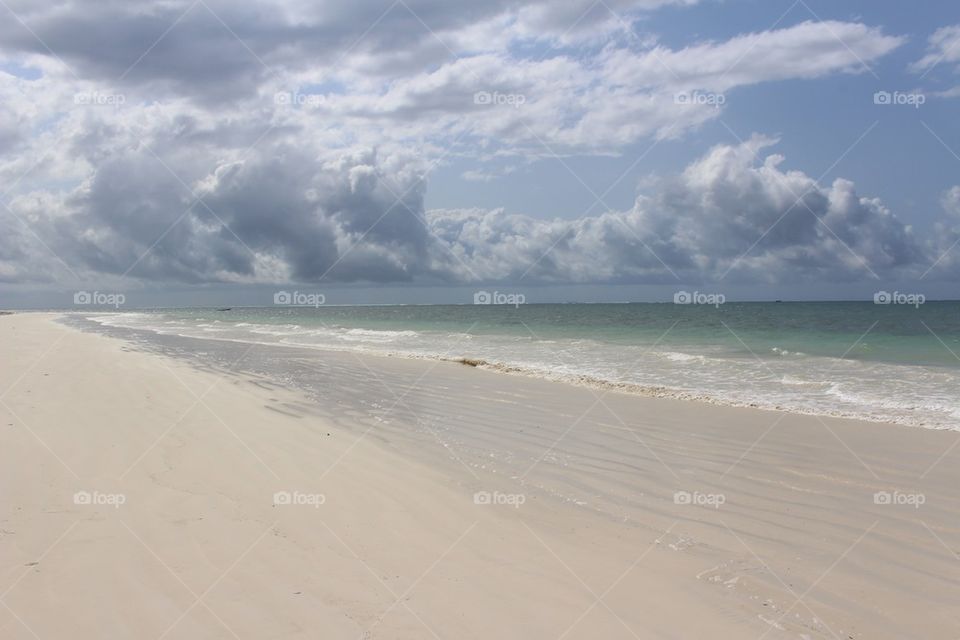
(269, 142)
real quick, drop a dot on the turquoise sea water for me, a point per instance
(892, 363)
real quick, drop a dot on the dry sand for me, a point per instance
(600, 547)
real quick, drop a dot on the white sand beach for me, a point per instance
(144, 497)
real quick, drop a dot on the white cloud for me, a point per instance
(943, 47)
(291, 214)
(698, 225)
(585, 83)
(950, 200)
(602, 102)
(308, 189)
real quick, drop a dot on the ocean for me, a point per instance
(885, 363)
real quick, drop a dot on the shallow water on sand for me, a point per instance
(886, 363)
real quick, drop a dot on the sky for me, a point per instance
(211, 152)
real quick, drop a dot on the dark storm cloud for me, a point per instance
(280, 213)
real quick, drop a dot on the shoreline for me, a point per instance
(582, 380)
(199, 456)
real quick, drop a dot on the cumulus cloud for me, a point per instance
(359, 217)
(726, 213)
(283, 214)
(275, 141)
(943, 247)
(571, 79)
